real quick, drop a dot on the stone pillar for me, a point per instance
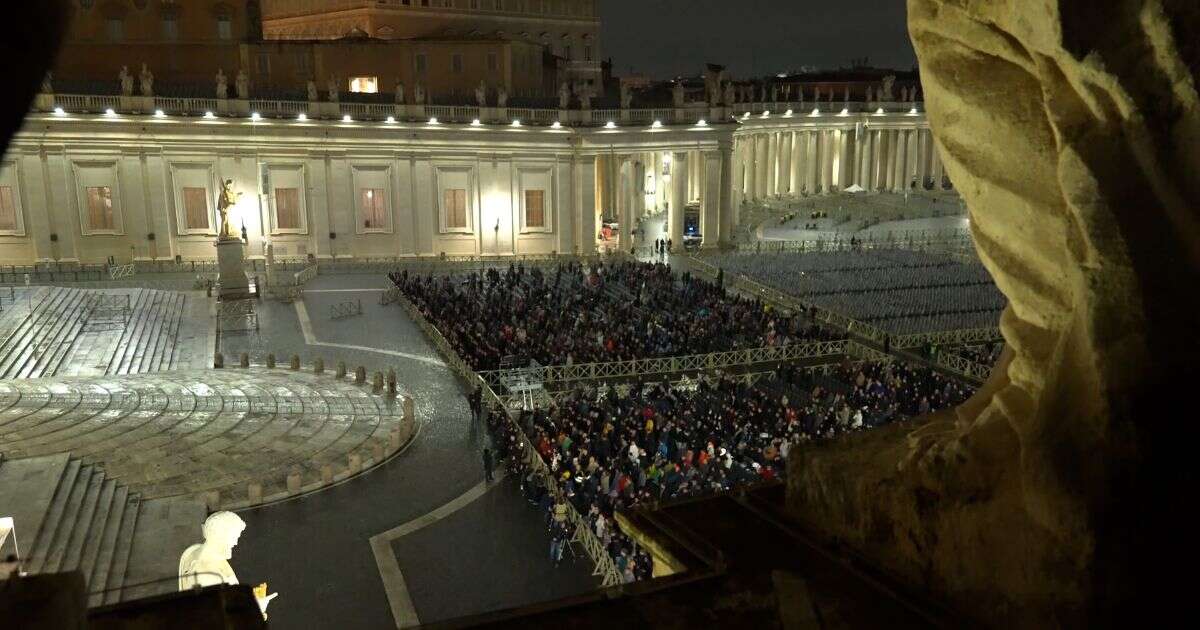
(829, 146)
(750, 166)
(625, 192)
(679, 189)
(738, 175)
(901, 159)
(772, 162)
(845, 172)
(710, 200)
(810, 161)
(783, 183)
(584, 196)
(795, 182)
(727, 207)
(760, 182)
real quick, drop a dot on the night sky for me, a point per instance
(664, 38)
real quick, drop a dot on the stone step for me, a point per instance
(27, 491)
(45, 342)
(95, 538)
(128, 344)
(165, 528)
(102, 569)
(124, 543)
(53, 518)
(83, 523)
(15, 345)
(69, 521)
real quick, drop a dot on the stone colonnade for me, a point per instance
(779, 161)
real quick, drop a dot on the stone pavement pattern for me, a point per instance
(211, 431)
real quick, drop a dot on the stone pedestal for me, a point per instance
(234, 284)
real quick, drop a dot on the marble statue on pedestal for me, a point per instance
(147, 81)
(332, 86)
(314, 95)
(501, 97)
(627, 96)
(885, 91)
(774, 93)
(846, 95)
(564, 96)
(481, 94)
(730, 94)
(399, 91)
(817, 95)
(207, 563)
(222, 85)
(585, 98)
(227, 200)
(418, 94)
(48, 83)
(243, 84)
(677, 94)
(126, 80)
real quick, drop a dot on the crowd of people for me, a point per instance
(610, 452)
(607, 312)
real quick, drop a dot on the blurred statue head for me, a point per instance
(221, 532)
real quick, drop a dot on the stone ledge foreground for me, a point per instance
(231, 438)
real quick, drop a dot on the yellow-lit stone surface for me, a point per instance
(1072, 130)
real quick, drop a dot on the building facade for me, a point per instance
(89, 186)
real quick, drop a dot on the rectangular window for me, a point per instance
(456, 208)
(421, 63)
(170, 28)
(535, 209)
(264, 65)
(287, 209)
(373, 207)
(8, 210)
(493, 62)
(456, 63)
(303, 67)
(115, 29)
(195, 208)
(364, 85)
(100, 209)
(224, 28)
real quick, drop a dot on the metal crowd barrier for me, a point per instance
(636, 368)
(962, 366)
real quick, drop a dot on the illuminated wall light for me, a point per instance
(845, 111)
(347, 118)
(913, 110)
(815, 112)
(255, 117)
(656, 124)
(766, 114)
(879, 111)
(433, 120)
(391, 119)
(610, 125)
(110, 112)
(516, 123)
(788, 113)
(302, 117)
(556, 125)
(209, 115)
(702, 123)
(158, 113)
(476, 123)
(58, 111)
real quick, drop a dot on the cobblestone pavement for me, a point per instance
(314, 550)
(192, 432)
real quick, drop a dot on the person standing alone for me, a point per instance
(487, 464)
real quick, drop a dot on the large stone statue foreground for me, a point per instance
(1055, 497)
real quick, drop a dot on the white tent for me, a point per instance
(855, 188)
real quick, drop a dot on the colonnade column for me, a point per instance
(901, 158)
(772, 161)
(828, 155)
(810, 158)
(727, 209)
(783, 181)
(710, 199)
(679, 193)
(937, 168)
(585, 200)
(750, 160)
(760, 182)
(794, 180)
(626, 190)
(845, 170)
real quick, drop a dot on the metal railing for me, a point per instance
(343, 310)
(949, 337)
(954, 238)
(962, 366)
(559, 375)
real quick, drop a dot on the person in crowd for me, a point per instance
(487, 464)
